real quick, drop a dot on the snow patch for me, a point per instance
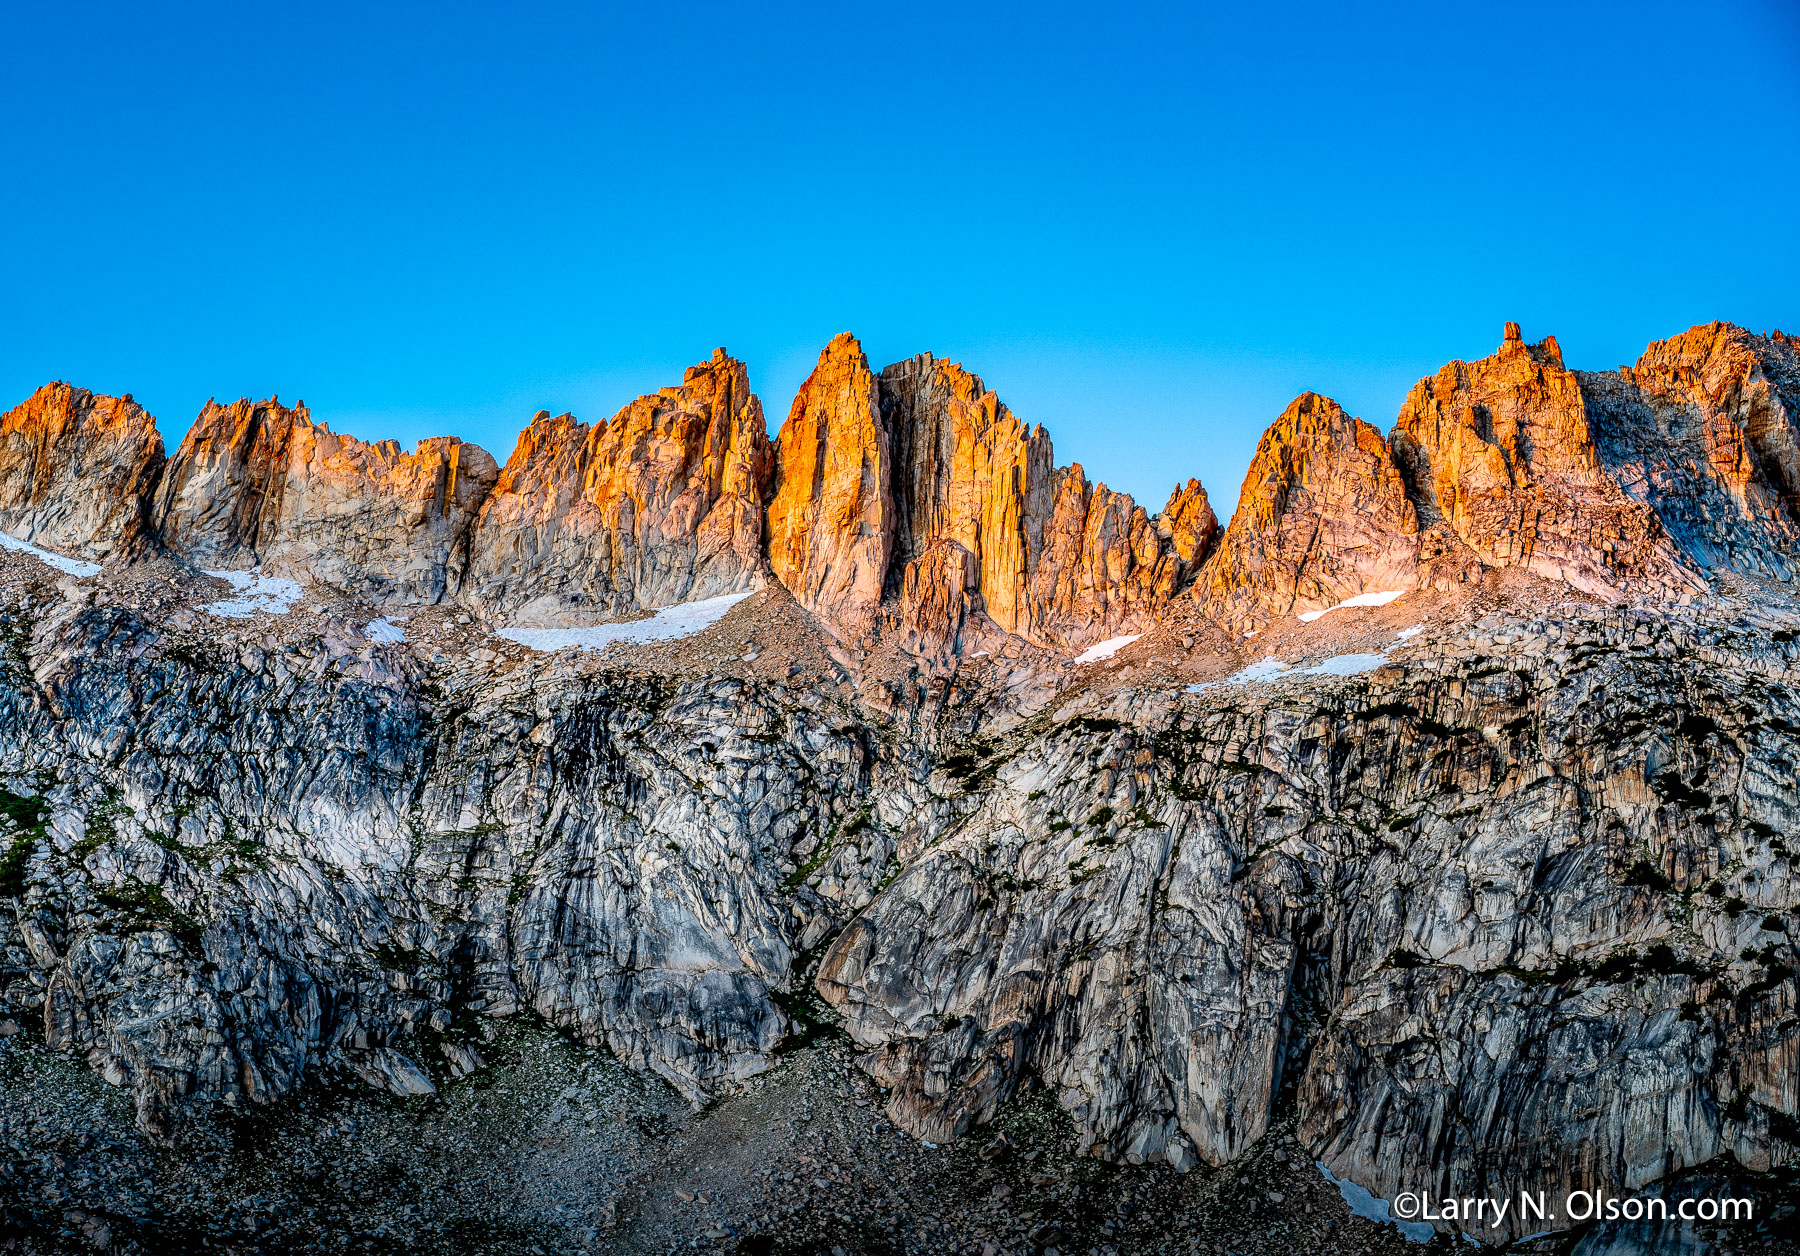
(1407, 634)
(668, 624)
(1346, 665)
(384, 631)
(1364, 1204)
(269, 595)
(1268, 669)
(1361, 599)
(68, 566)
(1106, 649)
(1273, 668)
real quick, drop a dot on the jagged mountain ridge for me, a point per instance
(1548, 815)
(680, 496)
(263, 485)
(914, 491)
(78, 471)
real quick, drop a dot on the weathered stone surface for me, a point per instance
(206, 903)
(1459, 911)
(1105, 568)
(968, 472)
(1508, 906)
(661, 504)
(1323, 516)
(1705, 429)
(260, 485)
(882, 471)
(1503, 451)
(76, 470)
(831, 519)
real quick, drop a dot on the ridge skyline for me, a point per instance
(1097, 458)
(913, 497)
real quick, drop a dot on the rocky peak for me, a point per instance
(831, 519)
(257, 483)
(75, 470)
(1524, 864)
(223, 487)
(1323, 516)
(661, 504)
(1705, 429)
(887, 471)
(1513, 344)
(1188, 524)
(968, 472)
(1502, 451)
(1105, 567)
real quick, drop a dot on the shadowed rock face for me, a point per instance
(1430, 908)
(573, 871)
(1323, 516)
(75, 470)
(1705, 430)
(258, 484)
(661, 504)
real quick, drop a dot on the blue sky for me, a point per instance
(1147, 227)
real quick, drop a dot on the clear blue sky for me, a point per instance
(1147, 227)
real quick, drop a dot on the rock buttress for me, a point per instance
(659, 505)
(76, 471)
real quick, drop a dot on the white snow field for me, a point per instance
(1106, 649)
(384, 631)
(1274, 669)
(1365, 1204)
(68, 566)
(256, 593)
(668, 624)
(1361, 599)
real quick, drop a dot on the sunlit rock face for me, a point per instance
(969, 473)
(1705, 430)
(1188, 523)
(1106, 568)
(1483, 879)
(831, 519)
(661, 504)
(75, 469)
(1324, 516)
(1505, 451)
(257, 484)
(877, 473)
